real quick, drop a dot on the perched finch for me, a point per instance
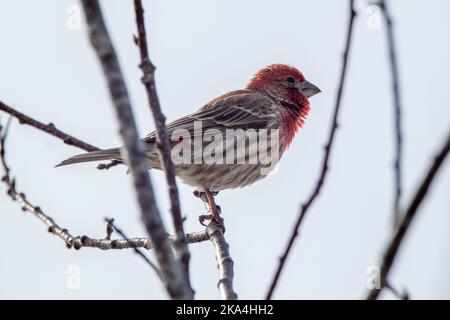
(275, 99)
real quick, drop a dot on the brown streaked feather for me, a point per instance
(242, 109)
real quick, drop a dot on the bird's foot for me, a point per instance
(212, 217)
(200, 194)
(208, 198)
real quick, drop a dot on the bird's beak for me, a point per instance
(308, 89)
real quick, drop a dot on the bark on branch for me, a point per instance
(136, 242)
(225, 263)
(173, 277)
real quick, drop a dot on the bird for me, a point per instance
(274, 100)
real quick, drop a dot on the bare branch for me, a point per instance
(162, 138)
(397, 112)
(22, 200)
(404, 295)
(135, 248)
(224, 261)
(52, 130)
(406, 219)
(171, 270)
(78, 242)
(49, 128)
(334, 125)
(136, 242)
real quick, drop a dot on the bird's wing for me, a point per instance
(243, 109)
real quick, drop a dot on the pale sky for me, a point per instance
(203, 49)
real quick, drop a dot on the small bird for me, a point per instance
(276, 98)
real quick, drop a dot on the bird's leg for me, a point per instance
(208, 198)
(211, 203)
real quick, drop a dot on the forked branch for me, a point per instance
(406, 219)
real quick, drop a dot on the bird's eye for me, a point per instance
(290, 79)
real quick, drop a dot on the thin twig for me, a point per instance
(406, 219)
(52, 130)
(325, 164)
(109, 228)
(225, 263)
(135, 248)
(48, 128)
(22, 200)
(399, 295)
(194, 237)
(162, 139)
(171, 270)
(397, 112)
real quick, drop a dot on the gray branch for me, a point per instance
(162, 138)
(136, 242)
(171, 270)
(398, 172)
(225, 263)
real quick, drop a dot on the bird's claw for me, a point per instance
(199, 194)
(212, 217)
(203, 218)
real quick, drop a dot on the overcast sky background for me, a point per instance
(203, 49)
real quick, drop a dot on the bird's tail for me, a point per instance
(107, 154)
